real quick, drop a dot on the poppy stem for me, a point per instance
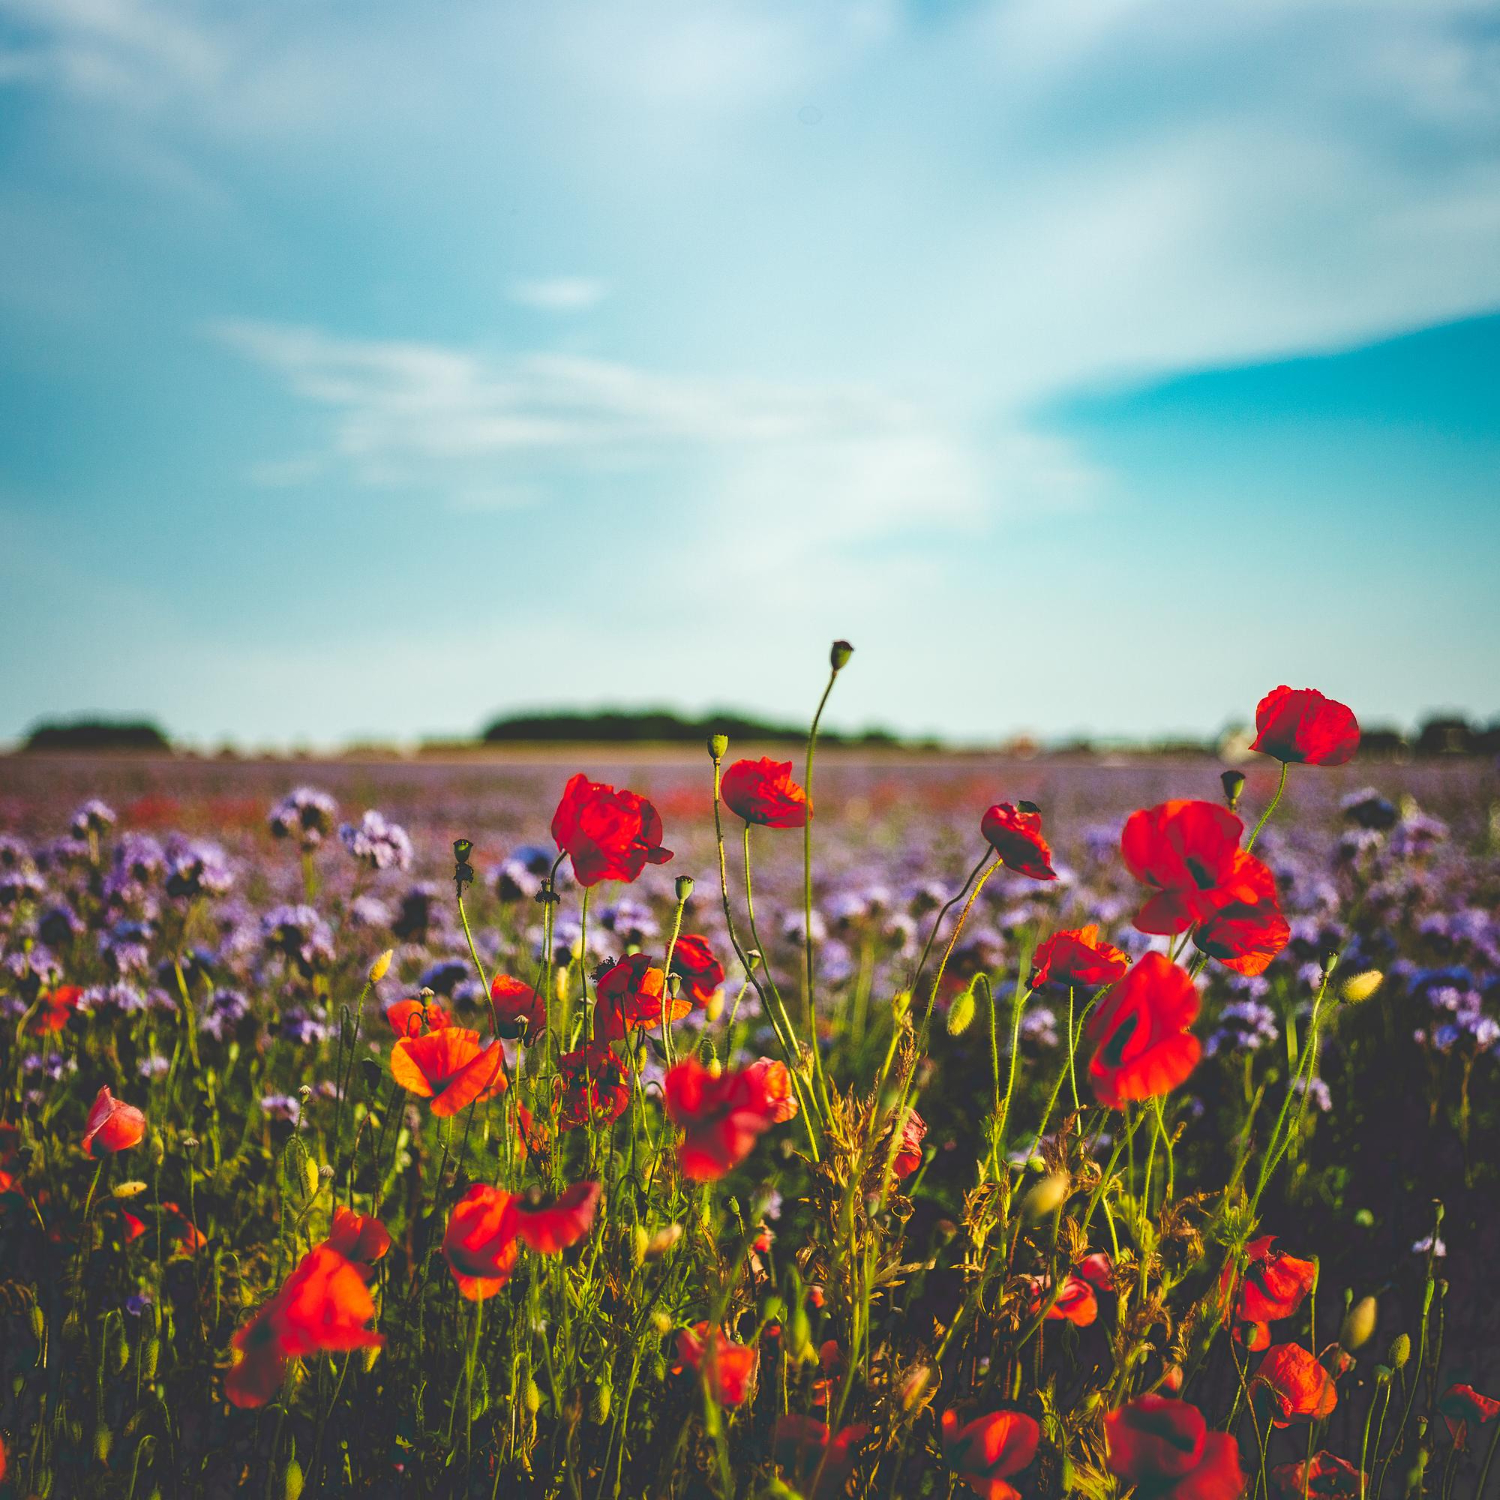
(666, 977)
(807, 887)
(1265, 817)
(463, 916)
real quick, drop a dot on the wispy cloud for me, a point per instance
(563, 294)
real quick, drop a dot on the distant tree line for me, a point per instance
(98, 734)
(660, 726)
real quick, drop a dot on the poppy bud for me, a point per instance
(601, 1403)
(1364, 1218)
(640, 1242)
(715, 1006)
(103, 1441)
(916, 1389)
(1399, 1352)
(533, 1397)
(662, 1241)
(838, 656)
(961, 1013)
(1046, 1197)
(291, 1479)
(381, 967)
(149, 1357)
(718, 746)
(800, 1344)
(1233, 783)
(684, 889)
(132, 1189)
(900, 1003)
(1359, 1324)
(1171, 1378)
(661, 1321)
(38, 1322)
(310, 1176)
(1361, 986)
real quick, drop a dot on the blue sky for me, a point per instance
(366, 368)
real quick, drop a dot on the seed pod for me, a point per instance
(684, 888)
(382, 965)
(1399, 1352)
(1359, 1324)
(718, 746)
(961, 1013)
(1046, 1197)
(839, 654)
(1233, 783)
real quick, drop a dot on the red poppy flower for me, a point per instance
(1298, 1385)
(449, 1067)
(1098, 1270)
(1076, 1302)
(1164, 1448)
(188, 1237)
(55, 1006)
(1462, 1404)
(722, 1116)
(134, 1227)
(1190, 852)
(609, 834)
(480, 1241)
(549, 1228)
(411, 1017)
(1300, 724)
(360, 1238)
(1322, 1477)
(1143, 1048)
(988, 1450)
(694, 963)
(520, 1010)
(774, 1084)
(1015, 833)
(592, 1086)
(762, 791)
(1275, 1283)
(909, 1150)
(727, 1368)
(632, 994)
(1075, 956)
(111, 1125)
(322, 1306)
(803, 1445)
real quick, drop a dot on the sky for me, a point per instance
(368, 369)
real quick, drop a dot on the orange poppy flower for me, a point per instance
(450, 1068)
(480, 1241)
(1075, 956)
(1163, 1447)
(360, 1238)
(111, 1125)
(1322, 1477)
(774, 1083)
(1462, 1404)
(609, 834)
(411, 1017)
(592, 1086)
(322, 1306)
(1014, 831)
(726, 1367)
(1076, 1302)
(55, 1006)
(694, 963)
(722, 1117)
(550, 1227)
(762, 791)
(1298, 1385)
(984, 1453)
(1143, 1048)
(804, 1446)
(632, 995)
(1300, 724)
(1274, 1287)
(520, 1010)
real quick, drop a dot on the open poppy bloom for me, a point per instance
(360, 1238)
(1164, 1448)
(726, 1367)
(1076, 1302)
(1462, 1404)
(186, 1234)
(1300, 724)
(450, 1068)
(987, 1451)
(520, 1010)
(1190, 853)
(693, 961)
(323, 1306)
(804, 1445)
(550, 1227)
(479, 1243)
(411, 1017)
(53, 1007)
(1015, 833)
(909, 1149)
(632, 994)
(762, 791)
(1298, 1385)
(608, 834)
(111, 1125)
(592, 1086)
(1075, 956)
(1098, 1270)
(1143, 1048)
(1321, 1477)
(1274, 1287)
(775, 1084)
(722, 1116)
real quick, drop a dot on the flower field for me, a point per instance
(715, 1125)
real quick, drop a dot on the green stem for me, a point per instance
(1265, 817)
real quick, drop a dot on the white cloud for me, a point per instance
(563, 294)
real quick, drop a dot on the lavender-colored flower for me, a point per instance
(301, 935)
(369, 911)
(34, 970)
(93, 817)
(1244, 1026)
(1317, 1091)
(306, 815)
(59, 925)
(197, 867)
(153, 1066)
(126, 947)
(375, 841)
(631, 921)
(1039, 1025)
(137, 1303)
(20, 883)
(1366, 808)
(280, 1106)
(442, 976)
(1432, 1243)
(298, 1026)
(112, 999)
(1417, 834)
(223, 1013)
(15, 854)
(420, 909)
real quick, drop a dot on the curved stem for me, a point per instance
(1265, 817)
(807, 900)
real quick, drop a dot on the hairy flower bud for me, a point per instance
(291, 1479)
(961, 1013)
(132, 1189)
(533, 1397)
(1359, 1324)
(382, 966)
(1046, 1197)
(1361, 986)
(1399, 1352)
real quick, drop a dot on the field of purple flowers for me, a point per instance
(1032, 1269)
